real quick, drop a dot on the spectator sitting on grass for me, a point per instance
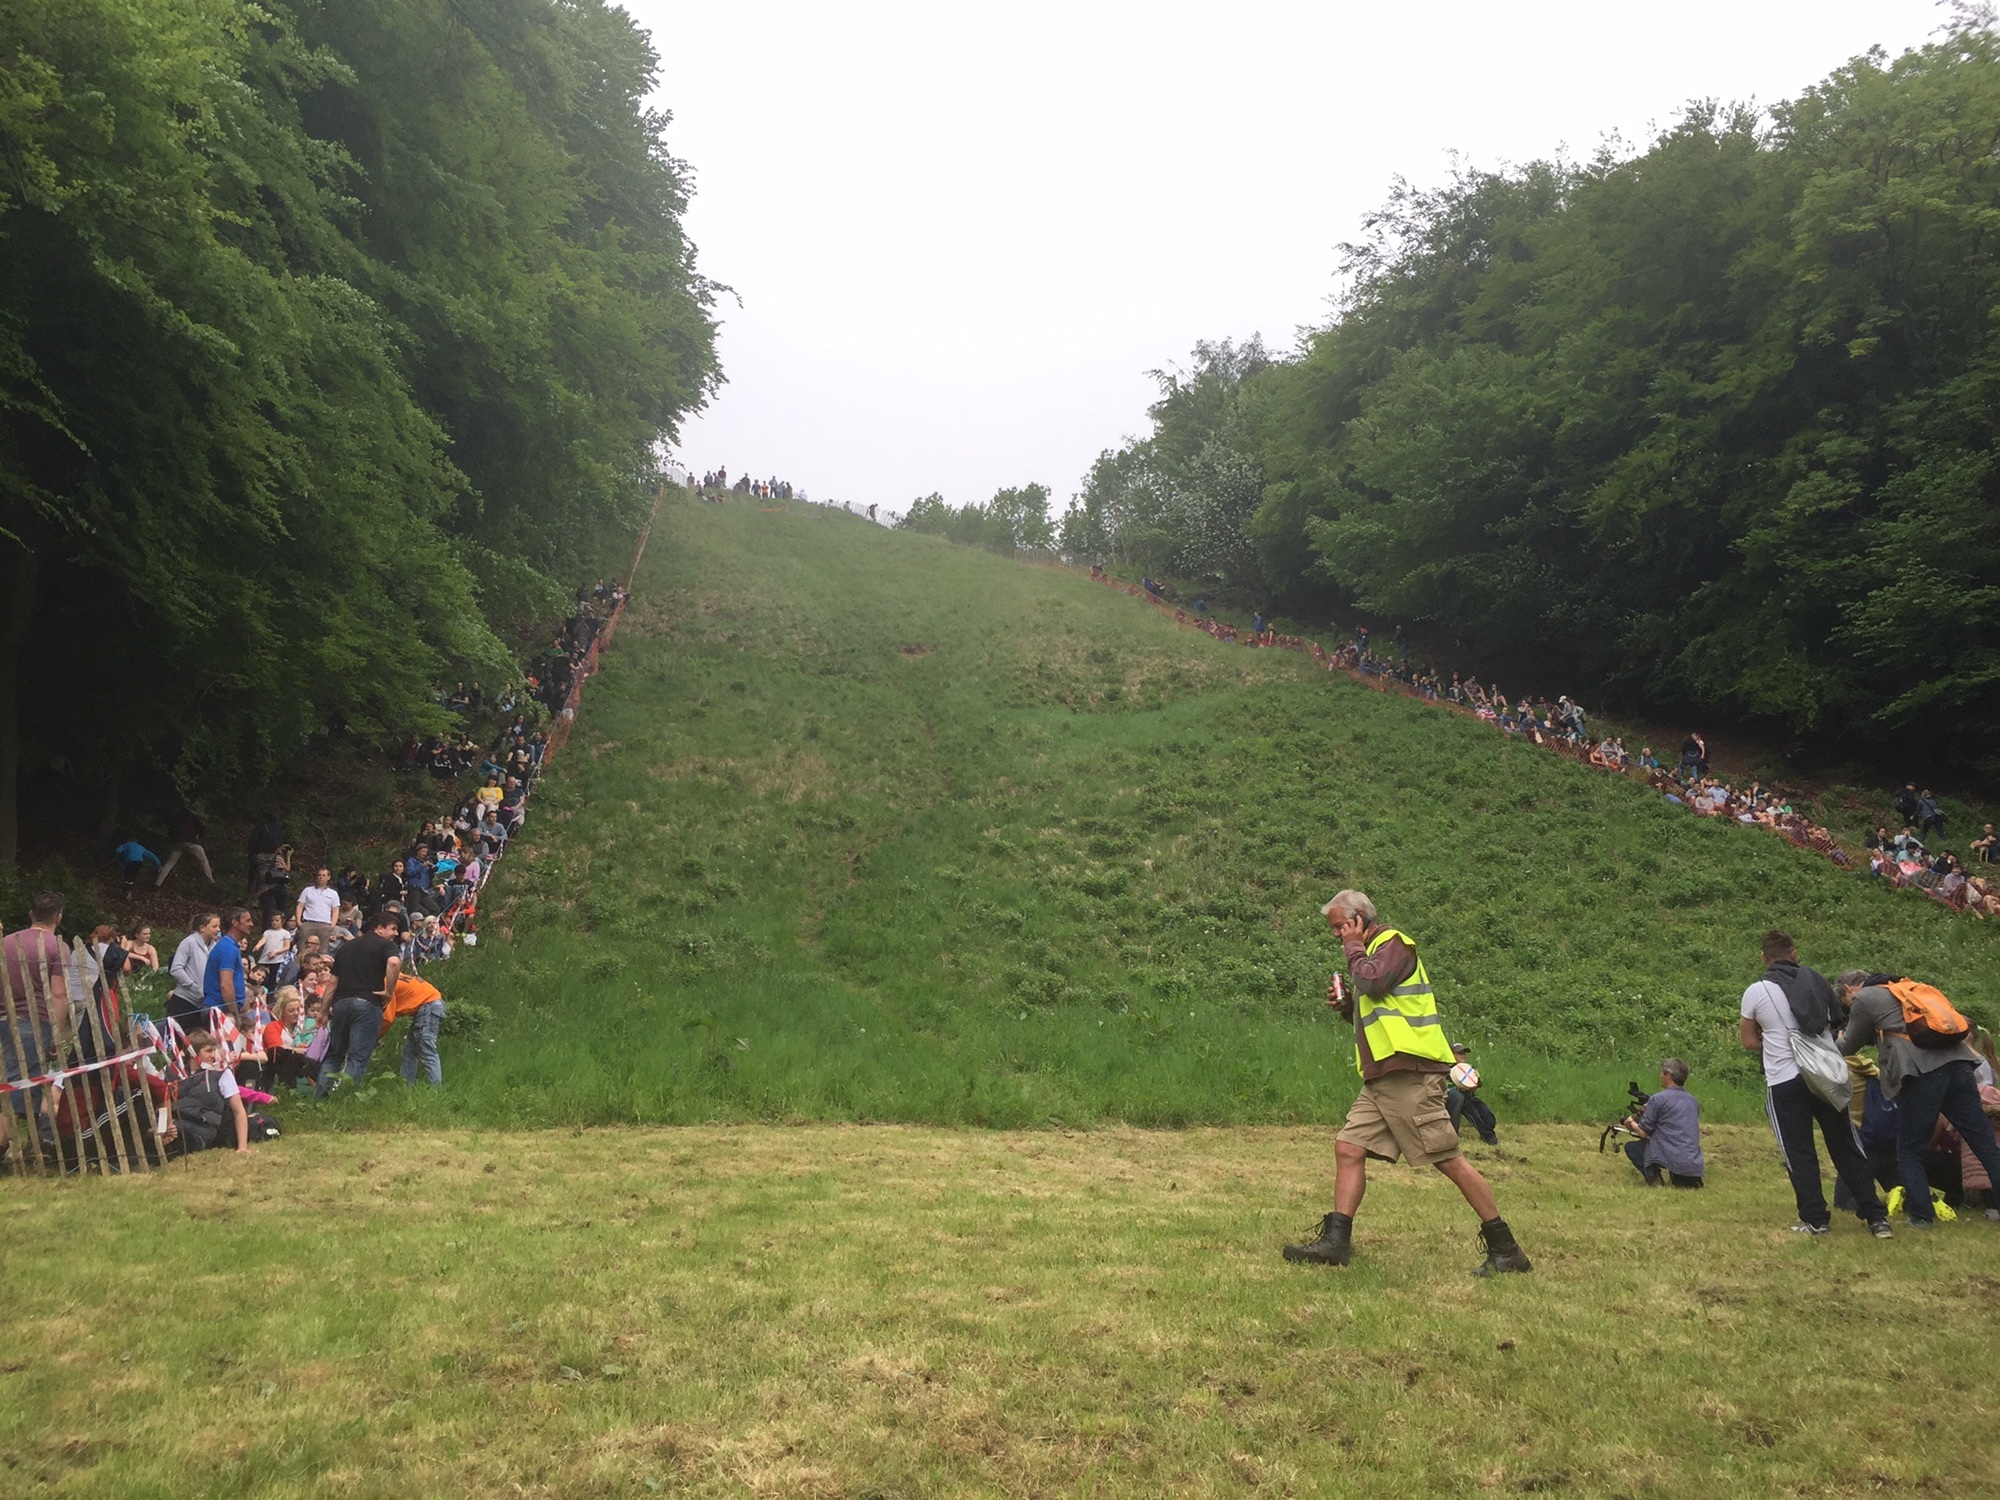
(139, 943)
(428, 943)
(284, 1050)
(303, 951)
(1668, 1131)
(513, 805)
(213, 1077)
(1983, 847)
(315, 979)
(1951, 885)
(1981, 900)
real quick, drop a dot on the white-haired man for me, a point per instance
(1401, 1050)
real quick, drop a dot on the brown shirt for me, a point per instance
(34, 960)
(1374, 975)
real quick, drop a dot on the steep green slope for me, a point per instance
(860, 825)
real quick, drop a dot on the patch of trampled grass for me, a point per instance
(899, 1311)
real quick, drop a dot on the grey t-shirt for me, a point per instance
(1877, 1011)
(1672, 1122)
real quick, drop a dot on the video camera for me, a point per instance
(1640, 1098)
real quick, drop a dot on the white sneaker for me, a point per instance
(1812, 1229)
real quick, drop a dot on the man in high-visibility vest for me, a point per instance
(1404, 1056)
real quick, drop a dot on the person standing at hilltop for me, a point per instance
(1400, 1048)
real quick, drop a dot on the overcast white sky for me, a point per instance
(962, 234)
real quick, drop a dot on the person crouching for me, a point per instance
(1668, 1131)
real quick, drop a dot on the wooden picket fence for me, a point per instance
(75, 1096)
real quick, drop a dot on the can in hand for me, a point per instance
(1336, 994)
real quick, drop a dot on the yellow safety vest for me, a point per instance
(1406, 1019)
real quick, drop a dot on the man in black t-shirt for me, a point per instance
(364, 977)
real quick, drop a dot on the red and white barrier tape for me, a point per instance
(58, 1078)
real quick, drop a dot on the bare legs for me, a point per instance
(1468, 1181)
(1351, 1165)
(1351, 1179)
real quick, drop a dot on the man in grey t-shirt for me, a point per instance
(1925, 1082)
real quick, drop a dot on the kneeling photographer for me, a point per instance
(1668, 1131)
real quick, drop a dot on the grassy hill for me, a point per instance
(858, 825)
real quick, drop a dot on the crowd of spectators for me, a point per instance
(716, 484)
(291, 988)
(1685, 781)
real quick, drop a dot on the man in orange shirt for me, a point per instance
(418, 999)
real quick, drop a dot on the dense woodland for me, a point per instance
(1711, 426)
(335, 338)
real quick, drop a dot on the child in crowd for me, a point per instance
(275, 946)
(209, 1107)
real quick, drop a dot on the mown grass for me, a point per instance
(833, 1311)
(857, 825)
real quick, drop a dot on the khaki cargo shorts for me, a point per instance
(1403, 1114)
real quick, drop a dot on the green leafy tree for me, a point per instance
(1711, 425)
(1182, 499)
(290, 391)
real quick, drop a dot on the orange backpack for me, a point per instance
(1932, 1020)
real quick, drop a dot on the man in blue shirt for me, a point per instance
(1668, 1131)
(225, 982)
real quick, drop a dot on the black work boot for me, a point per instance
(1502, 1253)
(1334, 1247)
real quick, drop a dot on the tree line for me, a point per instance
(334, 339)
(1710, 425)
(1015, 520)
